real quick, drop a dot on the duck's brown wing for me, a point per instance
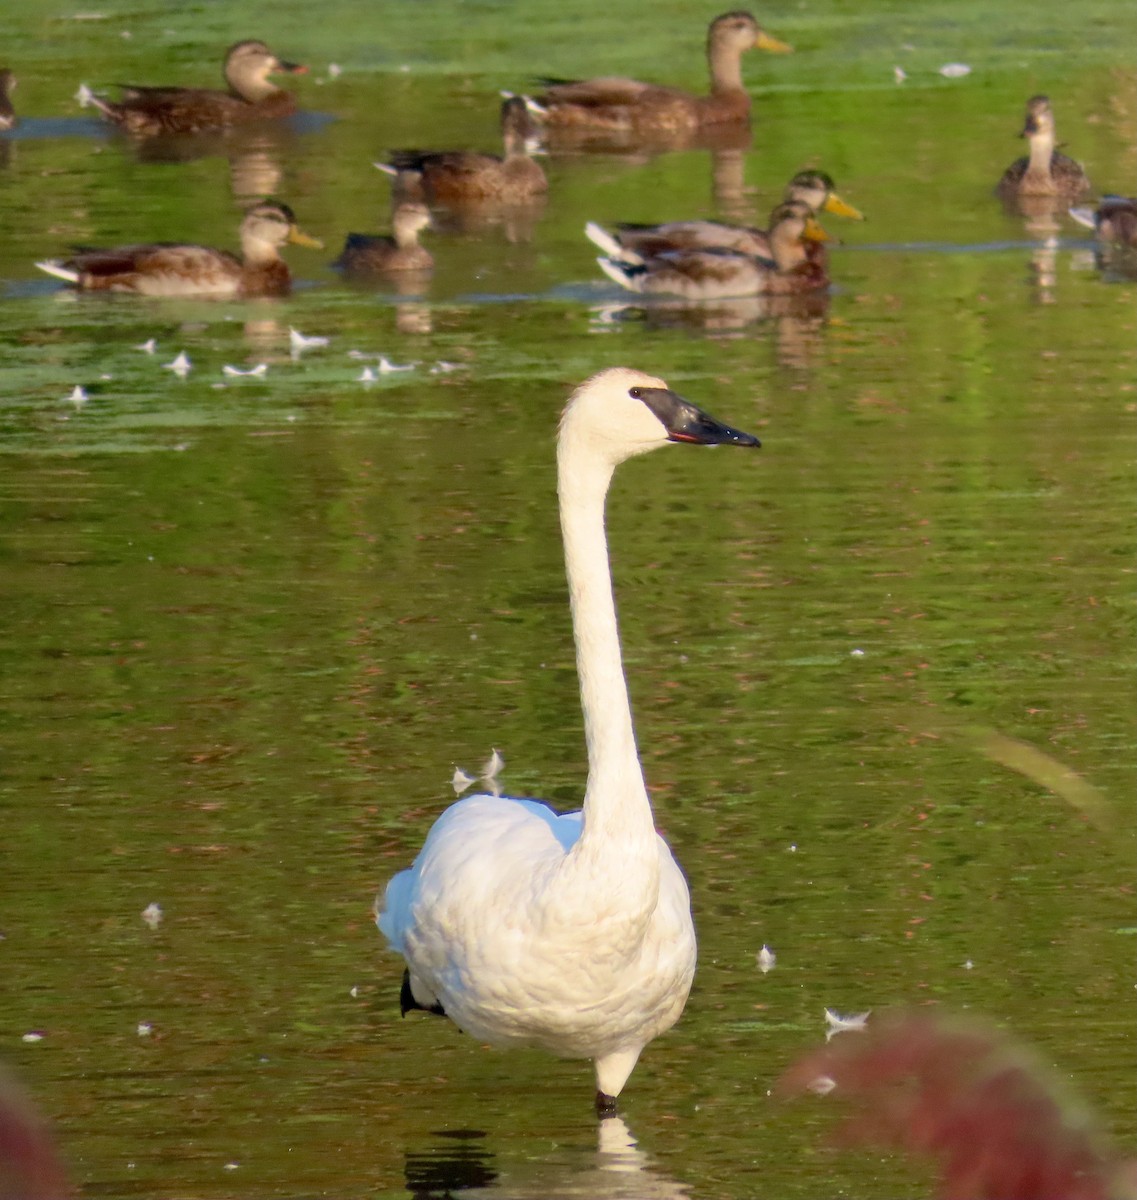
(651, 240)
(615, 102)
(364, 251)
(707, 274)
(613, 91)
(1013, 175)
(461, 174)
(159, 269)
(157, 110)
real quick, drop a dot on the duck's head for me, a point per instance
(249, 64)
(269, 226)
(819, 192)
(793, 221)
(619, 413)
(739, 30)
(519, 131)
(1039, 118)
(410, 217)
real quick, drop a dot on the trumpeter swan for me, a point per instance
(571, 932)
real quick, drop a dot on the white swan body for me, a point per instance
(568, 932)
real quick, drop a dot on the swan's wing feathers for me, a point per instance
(480, 853)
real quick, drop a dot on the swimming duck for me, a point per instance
(796, 264)
(571, 932)
(620, 104)
(451, 176)
(633, 243)
(8, 118)
(251, 97)
(1045, 171)
(1114, 219)
(178, 269)
(399, 251)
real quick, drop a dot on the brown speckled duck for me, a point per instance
(618, 104)
(252, 96)
(1045, 171)
(796, 264)
(451, 176)
(366, 254)
(1114, 220)
(632, 242)
(179, 269)
(8, 118)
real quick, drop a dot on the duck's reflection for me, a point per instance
(616, 1170)
(516, 222)
(799, 320)
(255, 154)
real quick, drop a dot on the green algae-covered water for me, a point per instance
(882, 669)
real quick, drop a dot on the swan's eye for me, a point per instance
(636, 393)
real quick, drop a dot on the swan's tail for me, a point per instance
(51, 267)
(628, 275)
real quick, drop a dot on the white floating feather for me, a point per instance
(767, 960)
(386, 366)
(152, 915)
(181, 366)
(838, 1024)
(78, 396)
(460, 781)
(301, 342)
(493, 766)
(257, 371)
(1084, 216)
(148, 346)
(955, 70)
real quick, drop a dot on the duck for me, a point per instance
(149, 111)
(797, 263)
(183, 269)
(571, 932)
(618, 104)
(8, 118)
(1114, 220)
(452, 176)
(1045, 171)
(633, 243)
(365, 253)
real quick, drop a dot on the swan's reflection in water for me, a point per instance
(461, 1164)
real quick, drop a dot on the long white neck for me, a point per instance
(616, 807)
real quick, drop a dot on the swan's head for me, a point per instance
(619, 413)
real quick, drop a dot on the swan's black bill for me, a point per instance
(686, 422)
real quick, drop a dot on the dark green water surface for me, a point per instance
(251, 624)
